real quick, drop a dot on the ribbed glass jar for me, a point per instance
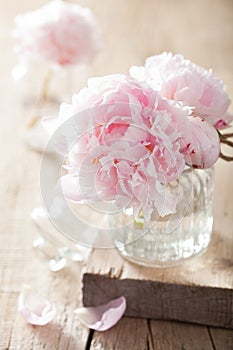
(169, 240)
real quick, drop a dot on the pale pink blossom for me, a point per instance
(181, 80)
(103, 317)
(130, 143)
(35, 309)
(60, 33)
(204, 150)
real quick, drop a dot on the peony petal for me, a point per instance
(204, 144)
(34, 309)
(70, 188)
(224, 122)
(179, 79)
(103, 317)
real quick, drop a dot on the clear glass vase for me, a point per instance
(170, 240)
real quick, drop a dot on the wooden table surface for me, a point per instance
(202, 30)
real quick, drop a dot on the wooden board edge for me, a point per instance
(209, 306)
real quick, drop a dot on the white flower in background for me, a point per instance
(60, 33)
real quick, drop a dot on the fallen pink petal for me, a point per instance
(103, 317)
(35, 309)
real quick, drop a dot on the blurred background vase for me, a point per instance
(43, 86)
(170, 240)
(40, 89)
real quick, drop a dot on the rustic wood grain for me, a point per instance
(221, 338)
(162, 300)
(179, 336)
(132, 30)
(160, 335)
(127, 334)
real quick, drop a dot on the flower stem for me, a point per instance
(223, 137)
(224, 140)
(227, 142)
(42, 99)
(45, 88)
(227, 135)
(227, 158)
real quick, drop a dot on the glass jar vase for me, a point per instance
(170, 240)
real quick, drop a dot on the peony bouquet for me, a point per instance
(133, 136)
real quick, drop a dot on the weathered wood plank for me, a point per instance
(179, 336)
(133, 333)
(158, 300)
(127, 334)
(7, 318)
(65, 332)
(221, 338)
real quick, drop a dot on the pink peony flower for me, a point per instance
(59, 32)
(204, 149)
(130, 143)
(183, 81)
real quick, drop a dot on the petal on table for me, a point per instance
(35, 309)
(103, 317)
